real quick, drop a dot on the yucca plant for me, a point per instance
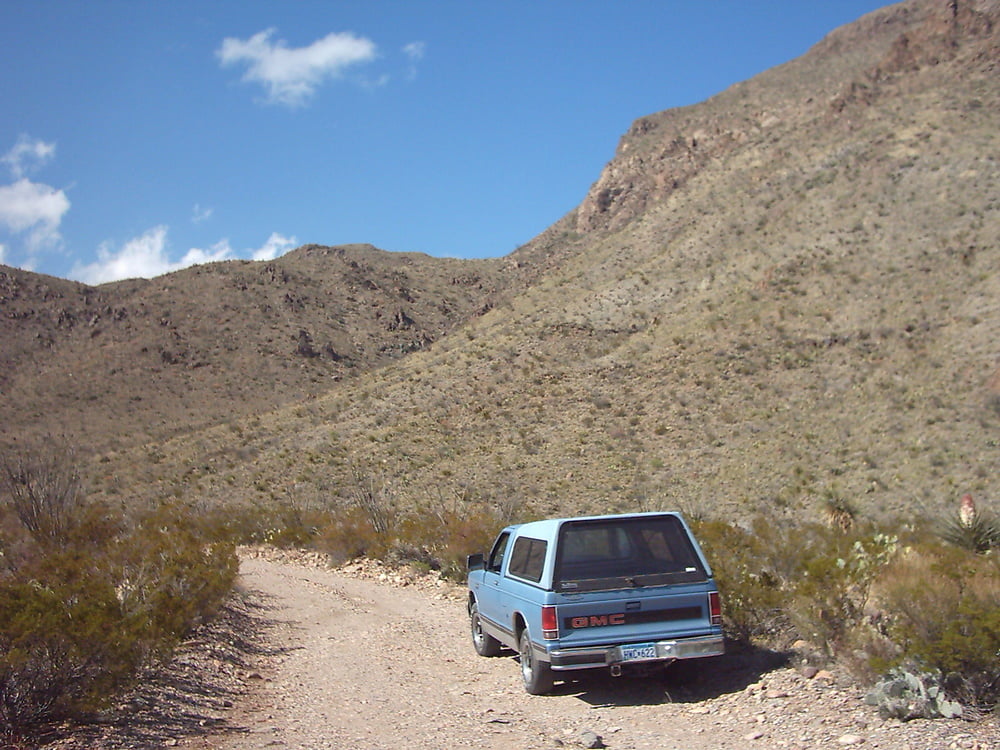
(971, 528)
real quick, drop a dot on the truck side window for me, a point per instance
(528, 558)
(496, 556)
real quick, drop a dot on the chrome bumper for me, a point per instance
(603, 656)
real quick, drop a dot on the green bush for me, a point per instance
(77, 625)
(863, 598)
(752, 589)
(829, 597)
(169, 577)
(942, 605)
(63, 647)
(85, 603)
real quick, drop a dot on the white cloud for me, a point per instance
(199, 214)
(27, 155)
(34, 208)
(141, 257)
(147, 256)
(3, 253)
(31, 208)
(291, 74)
(276, 245)
(415, 50)
(196, 256)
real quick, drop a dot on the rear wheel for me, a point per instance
(537, 674)
(484, 643)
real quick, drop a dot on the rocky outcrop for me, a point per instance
(662, 152)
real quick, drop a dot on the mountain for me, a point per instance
(785, 298)
(142, 360)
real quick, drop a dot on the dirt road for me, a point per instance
(366, 664)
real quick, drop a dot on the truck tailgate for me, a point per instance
(633, 615)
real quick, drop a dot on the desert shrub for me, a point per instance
(805, 581)
(350, 534)
(169, 577)
(366, 526)
(42, 488)
(375, 497)
(233, 523)
(289, 526)
(942, 607)
(85, 603)
(435, 532)
(926, 609)
(449, 539)
(62, 648)
(752, 591)
(830, 596)
(423, 539)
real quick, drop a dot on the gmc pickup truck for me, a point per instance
(613, 592)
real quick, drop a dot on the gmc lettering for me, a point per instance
(597, 621)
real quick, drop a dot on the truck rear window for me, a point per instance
(625, 553)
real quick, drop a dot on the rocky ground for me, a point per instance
(366, 658)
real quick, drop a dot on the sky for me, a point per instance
(138, 137)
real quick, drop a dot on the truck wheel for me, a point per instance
(485, 644)
(537, 675)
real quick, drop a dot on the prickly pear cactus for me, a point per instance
(905, 695)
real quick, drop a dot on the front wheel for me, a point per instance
(537, 675)
(484, 643)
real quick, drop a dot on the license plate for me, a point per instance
(638, 652)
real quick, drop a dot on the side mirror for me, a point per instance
(476, 561)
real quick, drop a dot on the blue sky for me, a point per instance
(139, 137)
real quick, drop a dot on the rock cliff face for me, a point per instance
(662, 152)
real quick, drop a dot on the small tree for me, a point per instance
(375, 498)
(43, 488)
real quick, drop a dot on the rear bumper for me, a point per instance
(563, 659)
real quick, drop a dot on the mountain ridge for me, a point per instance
(312, 315)
(783, 299)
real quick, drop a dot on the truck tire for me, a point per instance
(484, 643)
(537, 675)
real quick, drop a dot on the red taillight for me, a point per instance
(715, 608)
(550, 623)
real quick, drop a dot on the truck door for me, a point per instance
(490, 604)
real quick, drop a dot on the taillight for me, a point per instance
(550, 623)
(715, 608)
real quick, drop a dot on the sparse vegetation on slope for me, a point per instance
(150, 359)
(812, 313)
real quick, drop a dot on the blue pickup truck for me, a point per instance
(614, 592)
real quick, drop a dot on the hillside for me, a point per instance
(779, 298)
(142, 360)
